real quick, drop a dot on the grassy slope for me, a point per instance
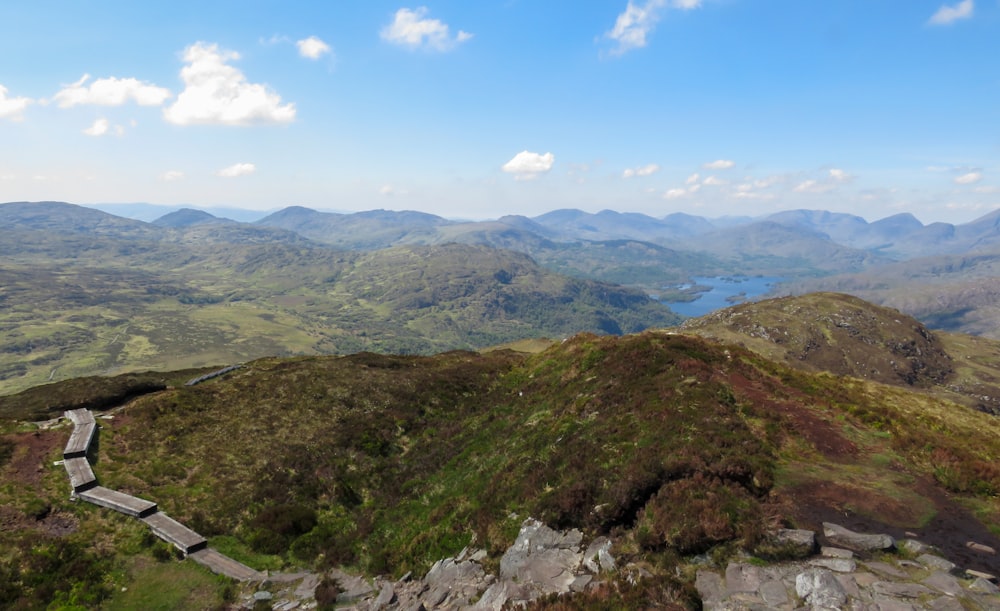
(110, 306)
(671, 444)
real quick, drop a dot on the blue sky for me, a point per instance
(480, 109)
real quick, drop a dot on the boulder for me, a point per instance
(859, 542)
(820, 589)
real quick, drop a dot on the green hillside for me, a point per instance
(670, 444)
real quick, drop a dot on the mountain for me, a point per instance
(186, 217)
(682, 452)
(68, 218)
(767, 247)
(358, 231)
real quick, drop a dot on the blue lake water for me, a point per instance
(724, 292)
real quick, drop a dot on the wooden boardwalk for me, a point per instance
(84, 482)
(81, 476)
(172, 531)
(84, 429)
(224, 565)
(119, 501)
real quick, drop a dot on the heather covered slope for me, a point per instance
(846, 336)
(670, 444)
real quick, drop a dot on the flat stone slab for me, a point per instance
(224, 565)
(118, 501)
(935, 562)
(172, 531)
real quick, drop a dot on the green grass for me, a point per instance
(168, 586)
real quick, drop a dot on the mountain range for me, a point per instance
(86, 291)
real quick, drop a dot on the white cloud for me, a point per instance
(171, 175)
(636, 22)
(99, 128)
(719, 164)
(987, 189)
(969, 178)
(646, 170)
(813, 186)
(713, 181)
(411, 28)
(110, 92)
(838, 175)
(312, 47)
(692, 179)
(391, 191)
(675, 193)
(950, 14)
(237, 169)
(216, 93)
(12, 108)
(527, 166)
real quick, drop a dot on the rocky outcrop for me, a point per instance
(543, 561)
(839, 579)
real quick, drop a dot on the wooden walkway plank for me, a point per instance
(81, 476)
(224, 565)
(172, 531)
(119, 501)
(80, 416)
(80, 440)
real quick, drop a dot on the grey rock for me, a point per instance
(835, 552)
(887, 570)
(352, 587)
(943, 582)
(262, 595)
(984, 586)
(580, 583)
(542, 560)
(598, 556)
(900, 590)
(742, 578)
(840, 565)
(710, 587)
(840, 536)
(820, 589)
(915, 547)
(981, 548)
(774, 594)
(935, 562)
(805, 540)
(892, 604)
(385, 597)
(945, 603)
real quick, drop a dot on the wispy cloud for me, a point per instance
(527, 165)
(646, 170)
(237, 169)
(969, 178)
(216, 93)
(948, 14)
(102, 127)
(312, 47)
(719, 164)
(171, 175)
(637, 21)
(110, 92)
(10, 107)
(412, 28)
